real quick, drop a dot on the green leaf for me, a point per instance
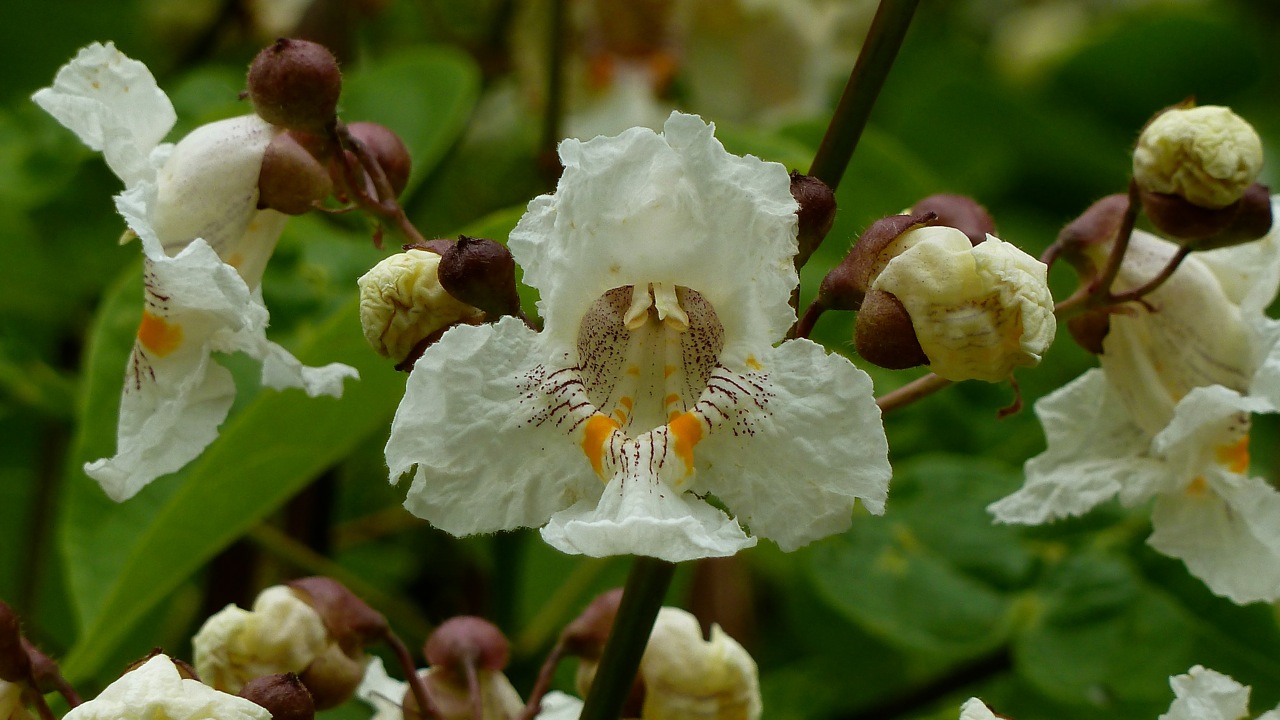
(125, 558)
(425, 95)
(931, 574)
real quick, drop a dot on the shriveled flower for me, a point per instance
(1167, 417)
(402, 303)
(1207, 155)
(205, 244)
(664, 265)
(281, 634)
(686, 676)
(979, 311)
(1204, 694)
(156, 691)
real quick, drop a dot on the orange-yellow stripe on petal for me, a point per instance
(1235, 457)
(1197, 488)
(159, 335)
(599, 428)
(687, 429)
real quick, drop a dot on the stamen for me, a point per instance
(668, 306)
(638, 314)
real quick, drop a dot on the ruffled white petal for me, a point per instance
(1204, 694)
(113, 104)
(482, 465)
(975, 709)
(638, 516)
(559, 706)
(675, 209)
(175, 397)
(1094, 453)
(816, 447)
(381, 691)
(156, 690)
(1228, 534)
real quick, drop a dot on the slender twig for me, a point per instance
(543, 683)
(385, 203)
(1123, 235)
(804, 327)
(65, 689)
(911, 392)
(426, 708)
(646, 586)
(879, 50)
(1155, 282)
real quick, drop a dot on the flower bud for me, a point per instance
(15, 665)
(960, 212)
(283, 695)
(688, 677)
(387, 150)
(482, 274)
(978, 312)
(295, 84)
(333, 676)
(1206, 155)
(883, 334)
(467, 640)
(403, 305)
(349, 620)
(1089, 329)
(845, 286)
(281, 634)
(587, 634)
(816, 214)
(1252, 220)
(292, 180)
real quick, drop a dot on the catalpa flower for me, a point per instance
(664, 265)
(1167, 417)
(205, 244)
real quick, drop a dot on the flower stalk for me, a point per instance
(645, 589)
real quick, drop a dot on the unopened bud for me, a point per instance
(283, 695)
(587, 634)
(978, 312)
(482, 274)
(295, 84)
(816, 214)
(1253, 219)
(845, 286)
(350, 620)
(15, 665)
(960, 212)
(333, 676)
(403, 304)
(1207, 155)
(688, 677)
(387, 150)
(292, 180)
(1089, 329)
(883, 334)
(467, 640)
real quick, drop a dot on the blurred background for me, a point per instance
(1030, 107)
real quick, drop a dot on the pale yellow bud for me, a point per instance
(402, 302)
(978, 311)
(11, 707)
(688, 678)
(281, 634)
(1207, 154)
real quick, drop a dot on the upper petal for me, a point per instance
(113, 104)
(674, 208)
(482, 464)
(793, 470)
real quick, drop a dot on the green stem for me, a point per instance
(646, 587)
(888, 28)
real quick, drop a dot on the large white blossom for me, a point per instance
(665, 266)
(205, 243)
(156, 691)
(1167, 416)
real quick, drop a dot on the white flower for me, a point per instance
(665, 265)
(979, 311)
(155, 691)
(1167, 417)
(281, 634)
(205, 243)
(975, 709)
(1204, 694)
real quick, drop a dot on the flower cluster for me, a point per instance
(205, 243)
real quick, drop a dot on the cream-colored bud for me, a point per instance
(11, 707)
(1207, 154)
(978, 311)
(687, 677)
(281, 634)
(402, 302)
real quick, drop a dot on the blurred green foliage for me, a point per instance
(904, 616)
